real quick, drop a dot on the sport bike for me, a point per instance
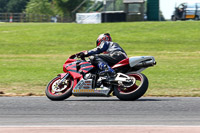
(81, 78)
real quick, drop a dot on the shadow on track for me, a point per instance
(107, 99)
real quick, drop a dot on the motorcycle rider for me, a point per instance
(112, 54)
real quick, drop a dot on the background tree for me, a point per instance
(3, 4)
(13, 6)
(61, 7)
(16, 6)
(43, 7)
(65, 7)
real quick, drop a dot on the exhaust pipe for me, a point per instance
(146, 63)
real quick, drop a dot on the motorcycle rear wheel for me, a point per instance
(134, 92)
(62, 94)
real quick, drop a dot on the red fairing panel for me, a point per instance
(85, 67)
(124, 62)
(67, 62)
(71, 69)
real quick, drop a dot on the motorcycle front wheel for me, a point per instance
(135, 91)
(56, 92)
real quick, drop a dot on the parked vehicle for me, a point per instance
(186, 11)
(81, 78)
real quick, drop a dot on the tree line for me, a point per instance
(42, 7)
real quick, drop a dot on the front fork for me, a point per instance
(63, 79)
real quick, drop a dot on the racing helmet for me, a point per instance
(103, 37)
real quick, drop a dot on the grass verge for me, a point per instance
(31, 54)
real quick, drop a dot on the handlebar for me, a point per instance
(74, 56)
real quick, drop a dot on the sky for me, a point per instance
(167, 6)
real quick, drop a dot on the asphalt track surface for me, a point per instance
(91, 113)
(24, 111)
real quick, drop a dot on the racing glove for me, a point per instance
(82, 54)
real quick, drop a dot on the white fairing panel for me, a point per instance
(133, 61)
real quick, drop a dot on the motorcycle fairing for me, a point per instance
(67, 62)
(84, 66)
(85, 88)
(124, 62)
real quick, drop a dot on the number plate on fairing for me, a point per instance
(84, 88)
(84, 84)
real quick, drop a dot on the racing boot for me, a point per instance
(106, 70)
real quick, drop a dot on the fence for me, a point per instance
(22, 17)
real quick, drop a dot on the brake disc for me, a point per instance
(56, 88)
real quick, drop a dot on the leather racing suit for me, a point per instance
(112, 54)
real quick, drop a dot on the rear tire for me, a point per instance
(134, 92)
(65, 90)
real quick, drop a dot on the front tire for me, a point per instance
(55, 93)
(134, 92)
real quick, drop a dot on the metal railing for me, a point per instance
(22, 17)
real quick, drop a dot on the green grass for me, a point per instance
(31, 54)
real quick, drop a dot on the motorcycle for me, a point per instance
(81, 78)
